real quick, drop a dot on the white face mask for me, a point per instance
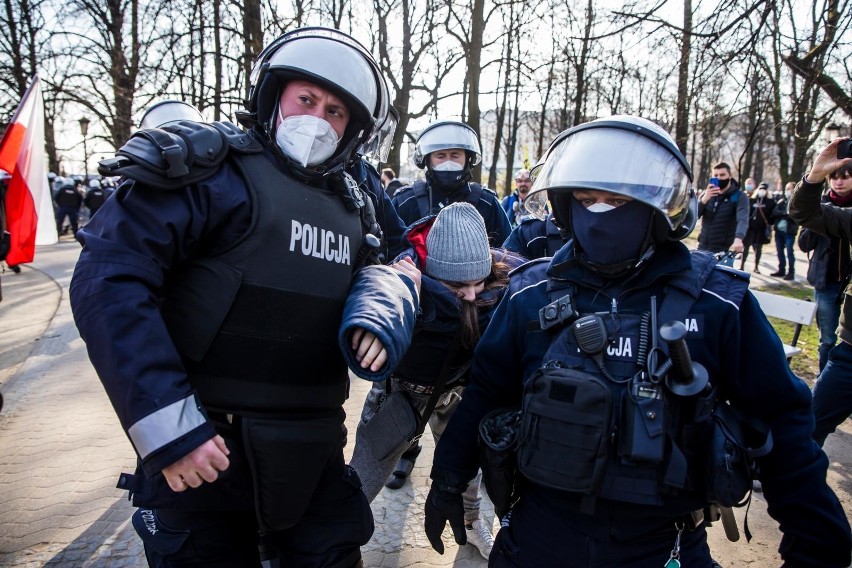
(600, 207)
(448, 166)
(306, 139)
(761, 193)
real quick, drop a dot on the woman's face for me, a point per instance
(467, 291)
(841, 185)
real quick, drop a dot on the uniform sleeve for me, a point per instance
(500, 228)
(386, 214)
(793, 475)
(131, 249)
(384, 302)
(515, 242)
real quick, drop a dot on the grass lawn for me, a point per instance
(806, 363)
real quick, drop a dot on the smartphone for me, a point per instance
(714, 181)
(844, 149)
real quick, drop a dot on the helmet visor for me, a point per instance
(446, 136)
(614, 160)
(379, 145)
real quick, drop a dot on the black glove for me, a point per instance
(444, 504)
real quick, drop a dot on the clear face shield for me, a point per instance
(378, 146)
(614, 160)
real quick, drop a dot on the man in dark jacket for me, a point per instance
(829, 264)
(210, 303)
(613, 445)
(833, 389)
(724, 210)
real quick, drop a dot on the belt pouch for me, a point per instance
(642, 435)
(287, 457)
(565, 428)
(498, 434)
(392, 427)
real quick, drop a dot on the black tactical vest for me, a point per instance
(257, 325)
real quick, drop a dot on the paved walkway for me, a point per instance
(61, 447)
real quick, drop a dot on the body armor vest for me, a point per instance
(423, 193)
(257, 325)
(603, 424)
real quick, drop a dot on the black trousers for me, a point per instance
(537, 534)
(337, 522)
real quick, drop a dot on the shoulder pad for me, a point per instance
(176, 155)
(237, 139)
(417, 187)
(489, 190)
(526, 219)
(529, 264)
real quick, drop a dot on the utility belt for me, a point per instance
(415, 388)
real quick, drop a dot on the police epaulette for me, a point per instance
(734, 272)
(178, 154)
(527, 264)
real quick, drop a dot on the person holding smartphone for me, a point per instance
(724, 211)
(833, 390)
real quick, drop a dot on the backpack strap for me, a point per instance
(423, 195)
(683, 290)
(475, 193)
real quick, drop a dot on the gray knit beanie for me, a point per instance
(457, 247)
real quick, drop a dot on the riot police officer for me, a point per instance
(209, 293)
(620, 444)
(447, 150)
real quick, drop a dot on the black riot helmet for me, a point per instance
(332, 60)
(621, 154)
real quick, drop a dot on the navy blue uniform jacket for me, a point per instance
(131, 250)
(759, 381)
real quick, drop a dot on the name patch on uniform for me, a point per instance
(694, 326)
(319, 243)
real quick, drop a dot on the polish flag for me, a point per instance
(29, 206)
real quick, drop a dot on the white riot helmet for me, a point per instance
(622, 154)
(331, 59)
(168, 111)
(445, 135)
(94, 184)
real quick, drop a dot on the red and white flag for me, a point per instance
(29, 206)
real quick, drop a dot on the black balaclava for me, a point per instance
(448, 182)
(613, 242)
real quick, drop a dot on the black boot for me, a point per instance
(778, 272)
(790, 276)
(404, 467)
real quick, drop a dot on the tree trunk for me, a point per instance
(474, 69)
(682, 105)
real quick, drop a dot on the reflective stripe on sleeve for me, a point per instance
(165, 426)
